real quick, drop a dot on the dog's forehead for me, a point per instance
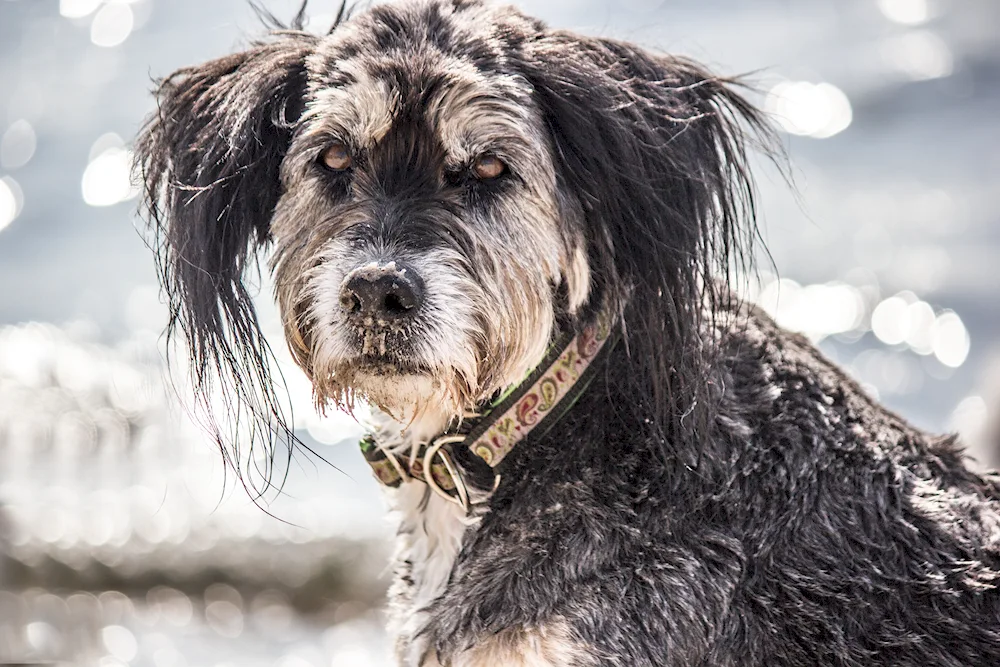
(451, 67)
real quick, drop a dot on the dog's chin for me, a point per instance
(403, 395)
(408, 392)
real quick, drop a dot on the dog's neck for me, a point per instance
(461, 463)
(428, 423)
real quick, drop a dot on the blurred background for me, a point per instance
(123, 541)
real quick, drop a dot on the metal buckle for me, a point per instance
(435, 449)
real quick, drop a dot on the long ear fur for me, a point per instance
(653, 149)
(209, 158)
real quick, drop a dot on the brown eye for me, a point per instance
(488, 167)
(337, 157)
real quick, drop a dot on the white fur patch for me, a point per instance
(578, 278)
(430, 535)
(431, 532)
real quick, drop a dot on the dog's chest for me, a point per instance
(431, 532)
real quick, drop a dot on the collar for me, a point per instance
(528, 410)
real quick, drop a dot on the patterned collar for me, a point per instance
(531, 408)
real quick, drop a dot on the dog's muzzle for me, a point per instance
(382, 296)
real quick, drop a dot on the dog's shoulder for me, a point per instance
(830, 476)
(782, 387)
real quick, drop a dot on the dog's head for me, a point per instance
(442, 183)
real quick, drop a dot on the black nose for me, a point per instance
(391, 291)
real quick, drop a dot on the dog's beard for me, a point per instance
(434, 372)
(439, 381)
(407, 397)
(465, 345)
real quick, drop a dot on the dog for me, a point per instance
(517, 243)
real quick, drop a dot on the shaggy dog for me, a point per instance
(479, 223)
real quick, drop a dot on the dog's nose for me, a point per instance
(390, 291)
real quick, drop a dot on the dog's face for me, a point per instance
(420, 244)
(442, 183)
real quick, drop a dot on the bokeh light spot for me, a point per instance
(112, 25)
(18, 145)
(120, 642)
(919, 54)
(921, 320)
(42, 636)
(225, 618)
(11, 201)
(75, 9)
(970, 419)
(818, 310)
(950, 339)
(168, 657)
(906, 12)
(891, 320)
(814, 110)
(107, 179)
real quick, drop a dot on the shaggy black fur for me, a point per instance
(721, 495)
(817, 529)
(653, 147)
(209, 160)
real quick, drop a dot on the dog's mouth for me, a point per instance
(388, 366)
(383, 344)
(383, 351)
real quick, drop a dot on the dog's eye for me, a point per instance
(337, 157)
(488, 167)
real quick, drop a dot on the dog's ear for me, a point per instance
(209, 158)
(652, 149)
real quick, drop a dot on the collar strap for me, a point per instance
(532, 408)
